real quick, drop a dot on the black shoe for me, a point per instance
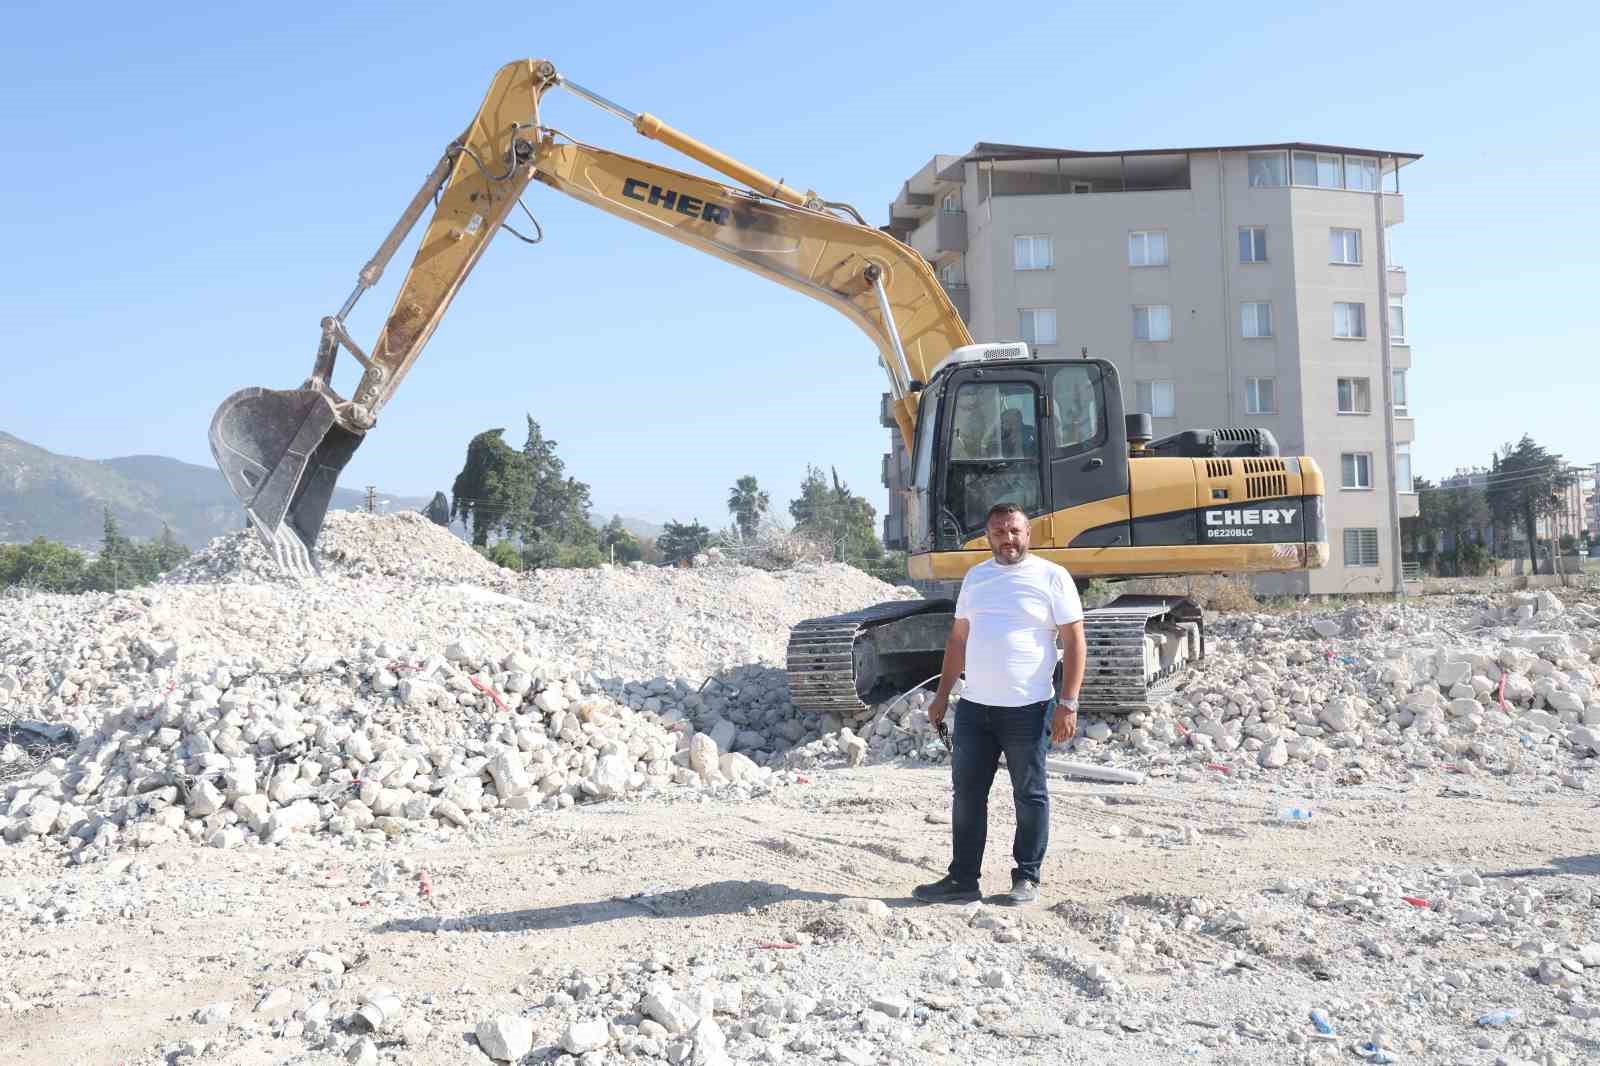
(1022, 891)
(946, 890)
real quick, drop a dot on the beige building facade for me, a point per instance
(1234, 286)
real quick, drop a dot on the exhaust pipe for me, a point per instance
(281, 452)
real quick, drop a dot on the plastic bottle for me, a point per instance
(1500, 1017)
(1294, 814)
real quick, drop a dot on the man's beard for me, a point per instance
(1022, 553)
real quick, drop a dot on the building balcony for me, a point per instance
(886, 412)
(961, 296)
(1394, 208)
(1405, 429)
(1397, 281)
(941, 235)
(1409, 507)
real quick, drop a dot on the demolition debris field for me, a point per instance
(424, 810)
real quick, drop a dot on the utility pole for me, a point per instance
(372, 499)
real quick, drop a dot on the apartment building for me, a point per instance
(1249, 285)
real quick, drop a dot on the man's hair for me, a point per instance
(1004, 509)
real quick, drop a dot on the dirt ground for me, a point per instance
(514, 911)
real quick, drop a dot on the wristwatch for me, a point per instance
(1069, 702)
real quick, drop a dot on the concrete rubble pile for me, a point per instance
(366, 705)
(1466, 685)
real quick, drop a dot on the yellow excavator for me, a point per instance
(983, 423)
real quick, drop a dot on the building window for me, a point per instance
(1255, 319)
(1344, 246)
(1360, 174)
(952, 203)
(1399, 378)
(1033, 252)
(1350, 321)
(1260, 396)
(1152, 323)
(1397, 319)
(1356, 470)
(1402, 468)
(1320, 171)
(1355, 396)
(950, 273)
(1252, 244)
(1147, 248)
(1267, 170)
(1158, 399)
(1038, 324)
(1361, 547)
(1079, 187)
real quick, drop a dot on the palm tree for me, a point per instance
(747, 502)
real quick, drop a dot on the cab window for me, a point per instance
(1076, 407)
(993, 453)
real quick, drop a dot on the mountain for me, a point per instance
(63, 498)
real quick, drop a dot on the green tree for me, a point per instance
(504, 553)
(438, 509)
(747, 502)
(1449, 517)
(679, 541)
(837, 517)
(1526, 485)
(118, 564)
(617, 543)
(165, 552)
(557, 510)
(492, 491)
(43, 565)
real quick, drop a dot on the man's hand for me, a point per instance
(1064, 726)
(937, 709)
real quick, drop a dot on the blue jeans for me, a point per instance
(982, 732)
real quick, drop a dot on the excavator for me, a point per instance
(982, 422)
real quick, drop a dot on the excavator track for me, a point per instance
(1138, 650)
(831, 667)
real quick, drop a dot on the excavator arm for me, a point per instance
(282, 450)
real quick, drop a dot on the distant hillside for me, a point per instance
(43, 494)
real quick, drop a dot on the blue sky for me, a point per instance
(191, 187)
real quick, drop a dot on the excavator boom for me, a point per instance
(282, 450)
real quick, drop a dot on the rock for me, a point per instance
(301, 815)
(278, 1003)
(854, 748)
(214, 1013)
(703, 755)
(1327, 627)
(505, 1037)
(670, 1010)
(583, 1037)
(736, 767)
(894, 1005)
(1340, 715)
(363, 1052)
(875, 908)
(611, 775)
(510, 776)
(710, 1044)
(1274, 755)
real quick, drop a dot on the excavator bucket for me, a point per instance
(281, 452)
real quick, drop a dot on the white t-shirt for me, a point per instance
(1014, 611)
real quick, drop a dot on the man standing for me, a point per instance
(1009, 615)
